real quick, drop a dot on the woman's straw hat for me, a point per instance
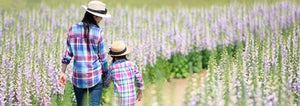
(119, 48)
(97, 8)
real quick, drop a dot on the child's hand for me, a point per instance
(139, 95)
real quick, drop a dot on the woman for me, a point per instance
(86, 43)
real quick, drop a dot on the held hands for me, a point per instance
(107, 80)
(62, 79)
(104, 79)
(139, 95)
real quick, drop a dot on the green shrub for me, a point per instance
(179, 66)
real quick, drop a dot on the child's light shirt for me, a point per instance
(123, 74)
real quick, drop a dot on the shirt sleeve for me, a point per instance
(68, 52)
(108, 79)
(101, 52)
(139, 78)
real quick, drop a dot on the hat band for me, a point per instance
(117, 53)
(98, 11)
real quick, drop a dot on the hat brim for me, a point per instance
(107, 15)
(128, 50)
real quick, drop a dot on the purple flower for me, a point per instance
(42, 6)
(19, 87)
(37, 85)
(1, 35)
(3, 89)
(267, 64)
(53, 78)
(7, 22)
(194, 100)
(19, 30)
(11, 88)
(284, 55)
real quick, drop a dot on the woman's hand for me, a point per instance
(139, 95)
(62, 79)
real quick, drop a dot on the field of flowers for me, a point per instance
(263, 69)
(265, 72)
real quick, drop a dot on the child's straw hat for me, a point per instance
(119, 48)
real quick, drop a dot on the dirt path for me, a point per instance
(173, 93)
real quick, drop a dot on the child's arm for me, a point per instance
(139, 78)
(140, 83)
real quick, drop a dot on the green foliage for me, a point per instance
(107, 95)
(179, 66)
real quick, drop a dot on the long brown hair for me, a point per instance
(88, 21)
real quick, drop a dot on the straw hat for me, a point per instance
(119, 48)
(97, 8)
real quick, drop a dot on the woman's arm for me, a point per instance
(101, 52)
(65, 61)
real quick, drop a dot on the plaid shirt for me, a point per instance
(89, 60)
(124, 73)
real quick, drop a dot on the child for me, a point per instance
(123, 74)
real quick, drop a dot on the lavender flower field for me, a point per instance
(266, 71)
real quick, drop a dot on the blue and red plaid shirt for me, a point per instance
(89, 59)
(124, 74)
